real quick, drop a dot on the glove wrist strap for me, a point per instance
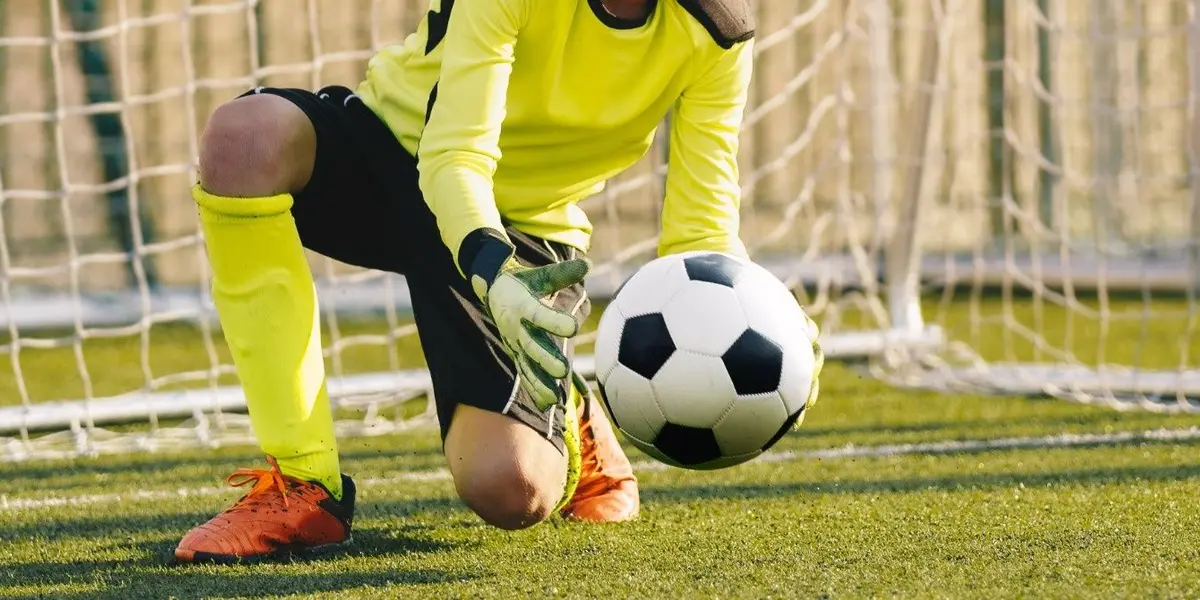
(482, 257)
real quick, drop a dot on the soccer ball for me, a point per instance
(705, 360)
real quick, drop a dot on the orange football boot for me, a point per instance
(280, 516)
(608, 490)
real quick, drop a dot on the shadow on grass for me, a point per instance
(919, 484)
(151, 573)
(124, 580)
(106, 526)
(42, 475)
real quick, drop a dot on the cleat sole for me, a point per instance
(186, 557)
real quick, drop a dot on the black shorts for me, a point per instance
(363, 206)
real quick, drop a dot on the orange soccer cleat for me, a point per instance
(608, 490)
(280, 516)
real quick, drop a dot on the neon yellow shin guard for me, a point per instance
(264, 294)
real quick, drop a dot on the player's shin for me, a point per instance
(264, 294)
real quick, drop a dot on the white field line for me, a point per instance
(1065, 440)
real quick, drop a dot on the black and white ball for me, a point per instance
(705, 360)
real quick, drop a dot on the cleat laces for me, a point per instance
(266, 483)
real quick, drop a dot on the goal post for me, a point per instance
(986, 196)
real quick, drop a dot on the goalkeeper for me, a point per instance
(459, 162)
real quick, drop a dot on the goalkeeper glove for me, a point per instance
(512, 295)
(814, 334)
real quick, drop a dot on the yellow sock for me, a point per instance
(264, 294)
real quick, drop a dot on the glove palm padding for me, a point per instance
(527, 324)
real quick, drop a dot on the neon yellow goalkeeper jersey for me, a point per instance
(519, 109)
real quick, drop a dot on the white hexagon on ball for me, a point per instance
(631, 404)
(650, 288)
(750, 423)
(795, 382)
(716, 307)
(693, 389)
(771, 308)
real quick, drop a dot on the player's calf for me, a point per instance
(504, 471)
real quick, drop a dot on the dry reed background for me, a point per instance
(825, 152)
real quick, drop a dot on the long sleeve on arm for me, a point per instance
(703, 194)
(459, 147)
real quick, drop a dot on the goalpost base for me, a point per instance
(1113, 387)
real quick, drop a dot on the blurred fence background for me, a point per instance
(1060, 118)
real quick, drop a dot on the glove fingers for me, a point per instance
(799, 421)
(815, 391)
(543, 281)
(818, 363)
(542, 388)
(553, 321)
(541, 349)
(813, 394)
(814, 331)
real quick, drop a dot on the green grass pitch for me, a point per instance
(883, 493)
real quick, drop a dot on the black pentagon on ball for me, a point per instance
(754, 364)
(646, 344)
(713, 268)
(688, 446)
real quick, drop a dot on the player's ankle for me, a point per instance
(317, 470)
(333, 485)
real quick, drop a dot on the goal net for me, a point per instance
(992, 196)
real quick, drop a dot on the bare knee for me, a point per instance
(505, 472)
(508, 498)
(257, 146)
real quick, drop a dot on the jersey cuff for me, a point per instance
(726, 244)
(483, 253)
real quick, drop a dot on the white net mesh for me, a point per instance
(1080, 272)
(1020, 176)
